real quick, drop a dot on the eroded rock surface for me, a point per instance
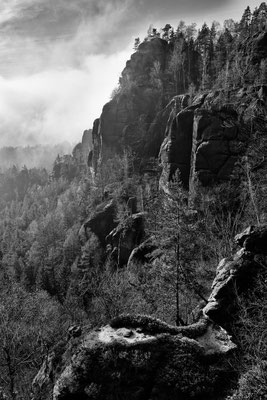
(206, 139)
(175, 152)
(147, 359)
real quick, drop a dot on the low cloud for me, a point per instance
(53, 105)
(41, 34)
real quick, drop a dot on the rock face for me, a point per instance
(101, 222)
(235, 274)
(126, 118)
(175, 152)
(86, 143)
(126, 237)
(207, 139)
(201, 137)
(253, 240)
(81, 150)
(142, 253)
(219, 143)
(142, 358)
(102, 232)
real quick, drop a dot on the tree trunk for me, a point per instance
(179, 320)
(11, 374)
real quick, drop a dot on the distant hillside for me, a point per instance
(39, 156)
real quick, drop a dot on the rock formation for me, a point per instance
(207, 139)
(101, 222)
(81, 150)
(139, 357)
(204, 136)
(102, 232)
(126, 237)
(126, 118)
(235, 273)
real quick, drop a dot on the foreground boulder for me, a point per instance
(141, 358)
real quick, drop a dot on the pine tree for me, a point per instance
(176, 66)
(262, 16)
(259, 18)
(136, 43)
(205, 48)
(167, 32)
(245, 20)
(169, 226)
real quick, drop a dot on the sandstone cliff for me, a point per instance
(201, 135)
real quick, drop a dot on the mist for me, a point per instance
(56, 105)
(38, 156)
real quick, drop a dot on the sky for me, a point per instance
(61, 59)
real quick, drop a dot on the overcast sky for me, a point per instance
(60, 59)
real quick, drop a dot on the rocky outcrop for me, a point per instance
(86, 143)
(100, 223)
(219, 144)
(94, 156)
(127, 117)
(235, 274)
(207, 138)
(81, 150)
(103, 233)
(142, 358)
(175, 152)
(125, 237)
(143, 252)
(160, 125)
(202, 137)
